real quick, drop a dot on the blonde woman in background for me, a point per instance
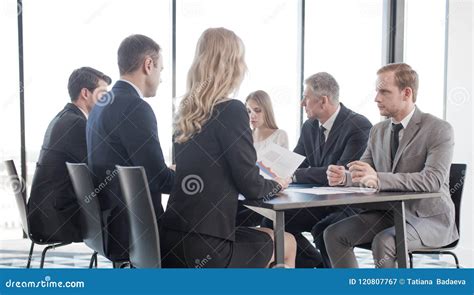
(262, 120)
(215, 161)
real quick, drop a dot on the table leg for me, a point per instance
(400, 234)
(279, 235)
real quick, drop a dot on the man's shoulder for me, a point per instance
(431, 121)
(382, 125)
(68, 118)
(353, 119)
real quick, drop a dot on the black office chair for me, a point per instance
(93, 229)
(144, 235)
(456, 186)
(20, 197)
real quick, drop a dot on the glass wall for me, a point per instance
(425, 40)
(269, 30)
(344, 38)
(86, 33)
(9, 118)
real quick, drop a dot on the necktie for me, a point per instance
(394, 139)
(322, 139)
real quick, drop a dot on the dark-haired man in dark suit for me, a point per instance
(124, 132)
(52, 208)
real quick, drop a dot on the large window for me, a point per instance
(86, 33)
(425, 51)
(269, 30)
(344, 38)
(9, 118)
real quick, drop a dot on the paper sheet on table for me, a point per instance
(332, 190)
(275, 160)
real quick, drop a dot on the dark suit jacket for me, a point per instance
(124, 132)
(346, 142)
(52, 207)
(211, 170)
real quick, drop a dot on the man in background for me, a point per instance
(52, 207)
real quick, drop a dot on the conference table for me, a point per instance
(274, 209)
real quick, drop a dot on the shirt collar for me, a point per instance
(134, 87)
(405, 120)
(85, 113)
(328, 124)
(82, 111)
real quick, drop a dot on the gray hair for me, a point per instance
(323, 84)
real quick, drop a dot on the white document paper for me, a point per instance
(332, 190)
(275, 160)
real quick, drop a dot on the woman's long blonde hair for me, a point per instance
(262, 99)
(217, 71)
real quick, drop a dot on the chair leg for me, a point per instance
(122, 264)
(93, 260)
(457, 260)
(30, 255)
(125, 264)
(410, 256)
(43, 255)
(454, 256)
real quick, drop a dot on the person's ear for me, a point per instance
(85, 93)
(148, 64)
(324, 99)
(407, 93)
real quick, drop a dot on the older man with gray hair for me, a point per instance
(332, 135)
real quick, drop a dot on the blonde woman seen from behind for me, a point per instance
(215, 162)
(262, 120)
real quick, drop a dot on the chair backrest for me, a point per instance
(456, 185)
(19, 189)
(144, 235)
(91, 220)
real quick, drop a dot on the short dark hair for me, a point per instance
(85, 77)
(133, 50)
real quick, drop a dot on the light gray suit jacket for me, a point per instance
(421, 164)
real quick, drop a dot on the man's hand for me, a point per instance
(283, 182)
(336, 175)
(363, 173)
